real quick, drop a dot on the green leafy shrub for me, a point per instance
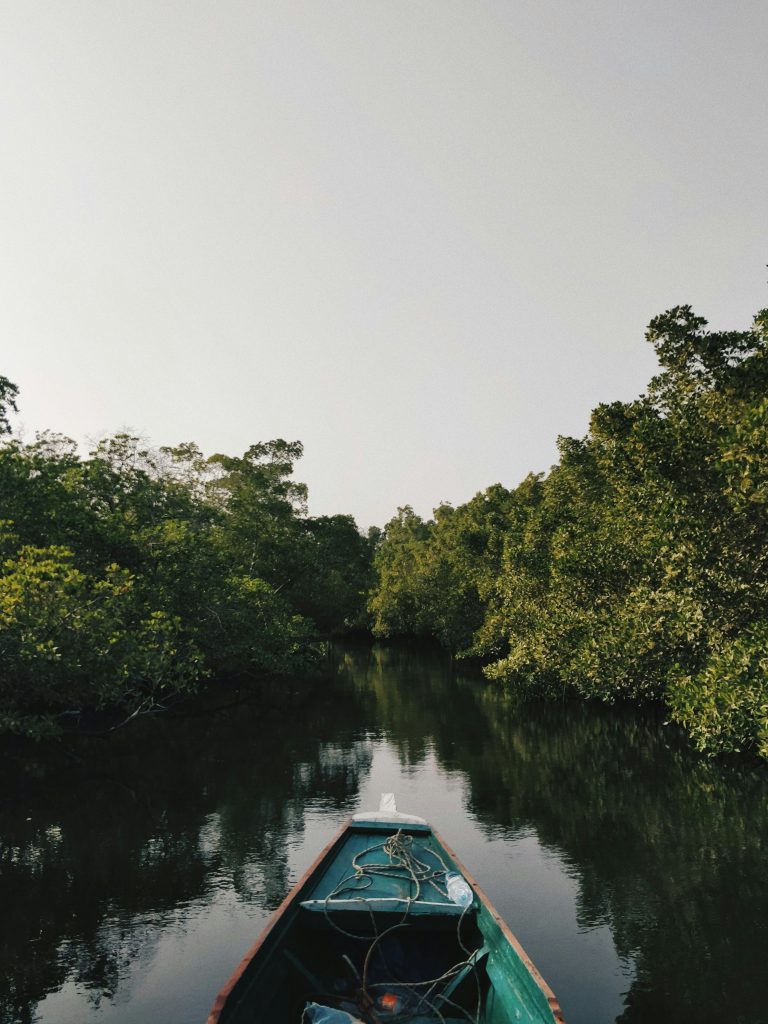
(724, 707)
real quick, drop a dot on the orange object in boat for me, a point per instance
(389, 1002)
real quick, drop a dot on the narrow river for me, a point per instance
(135, 872)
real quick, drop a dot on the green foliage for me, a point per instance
(336, 573)
(434, 577)
(638, 569)
(724, 706)
(397, 605)
(8, 395)
(68, 638)
(130, 576)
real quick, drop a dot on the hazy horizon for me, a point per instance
(422, 238)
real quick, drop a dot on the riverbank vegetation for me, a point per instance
(131, 576)
(636, 569)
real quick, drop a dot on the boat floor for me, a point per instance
(416, 965)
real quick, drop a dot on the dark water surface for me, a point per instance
(135, 872)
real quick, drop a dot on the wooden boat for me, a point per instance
(371, 934)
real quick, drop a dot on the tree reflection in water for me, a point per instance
(105, 841)
(104, 844)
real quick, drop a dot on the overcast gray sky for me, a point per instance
(422, 237)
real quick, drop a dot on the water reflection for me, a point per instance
(668, 851)
(134, 872)
(104, 841)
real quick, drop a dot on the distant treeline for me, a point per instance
(129, 577)
(637, 569)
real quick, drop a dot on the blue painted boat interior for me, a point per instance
(373, 933)
(365, 848)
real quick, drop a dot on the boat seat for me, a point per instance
(391, 904)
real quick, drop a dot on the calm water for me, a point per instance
(134, 873)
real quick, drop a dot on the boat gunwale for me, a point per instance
(507, 932)
(221, 999)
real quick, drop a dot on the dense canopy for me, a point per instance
(130, 576)
(637, 568)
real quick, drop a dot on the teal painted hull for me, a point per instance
(370, 930)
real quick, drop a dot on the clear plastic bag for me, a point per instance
(314, 1013)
